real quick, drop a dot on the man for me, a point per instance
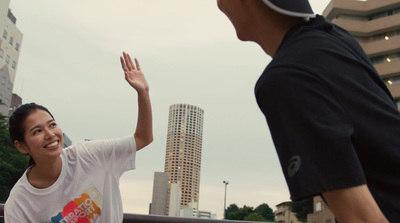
(335, 125)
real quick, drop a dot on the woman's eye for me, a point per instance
(53, 124)
(37, 131)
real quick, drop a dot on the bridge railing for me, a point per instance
(134, 218)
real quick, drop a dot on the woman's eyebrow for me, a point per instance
(37, 126)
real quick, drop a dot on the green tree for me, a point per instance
(231, 212)
(244, 212)
(302, 208)
(12, 162)
(255, 216)
(265, 211)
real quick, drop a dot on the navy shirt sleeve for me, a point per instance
(311, 132)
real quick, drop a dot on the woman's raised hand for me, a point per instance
(133, 74)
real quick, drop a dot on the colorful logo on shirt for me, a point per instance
(85, 209)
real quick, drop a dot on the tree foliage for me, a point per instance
(265, 211)
(12, 162)
(255, 217)
(302, 208)
(262, 213)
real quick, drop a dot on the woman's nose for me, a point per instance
(49, 133)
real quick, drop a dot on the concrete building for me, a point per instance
(175, 197)
(376, 25)
(16, 101)
(67, 141)
(160, 194)
(322, 214)
(284, 215)
(183, 150)
(191, 211)
(10, 47)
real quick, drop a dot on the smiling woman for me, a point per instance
(79, 183)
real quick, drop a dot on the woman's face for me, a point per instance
(43, 138)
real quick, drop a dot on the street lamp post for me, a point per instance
(226, 184)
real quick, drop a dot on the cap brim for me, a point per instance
(296, 8)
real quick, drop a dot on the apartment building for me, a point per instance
(376, 25)
(10, 47)
(284, 215)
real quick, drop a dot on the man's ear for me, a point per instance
(21, 147)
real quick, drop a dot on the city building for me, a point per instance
(321, 214)
(175, 198)
(10, 47)
(191, 211)
(67, 141)
(16, 101)
(284, 215)
(183, 150)
(160, 192)
(376, 25)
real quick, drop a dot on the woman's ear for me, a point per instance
(21, 147)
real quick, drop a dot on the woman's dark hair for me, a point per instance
(17, 120)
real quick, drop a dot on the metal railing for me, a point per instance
(141, 218)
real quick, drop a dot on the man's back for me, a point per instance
(333, 121)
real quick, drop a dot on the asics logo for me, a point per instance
(294, 165)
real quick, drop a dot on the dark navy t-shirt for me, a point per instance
(332, 119)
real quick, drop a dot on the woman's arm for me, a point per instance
(134, 76)
(353, 205)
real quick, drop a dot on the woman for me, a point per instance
(79, 183)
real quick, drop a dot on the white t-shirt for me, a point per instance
(87, 189)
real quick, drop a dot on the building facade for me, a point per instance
(284, 215)
(10, 47)
(376, 25)
(160, 192)
(322, 213)
(183, 150)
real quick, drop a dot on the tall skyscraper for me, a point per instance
(183, 150)
(376, 25)
(10, 46)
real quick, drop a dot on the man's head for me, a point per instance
(264, 21)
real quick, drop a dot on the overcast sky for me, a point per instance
(189, 52)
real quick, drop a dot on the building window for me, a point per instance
(384, 14)
(8, 59)
(6, 102)
(392, 80)
(17, 46)
(1, 53)
(318, 206)
(11, 40)
(385, 59)
(3, 80)
(14, 64)
(5, 34)
(10, 86)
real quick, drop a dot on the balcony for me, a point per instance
(368, 28)
(394, 90)
(382, 47)
(362, 8)
(388, 69)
